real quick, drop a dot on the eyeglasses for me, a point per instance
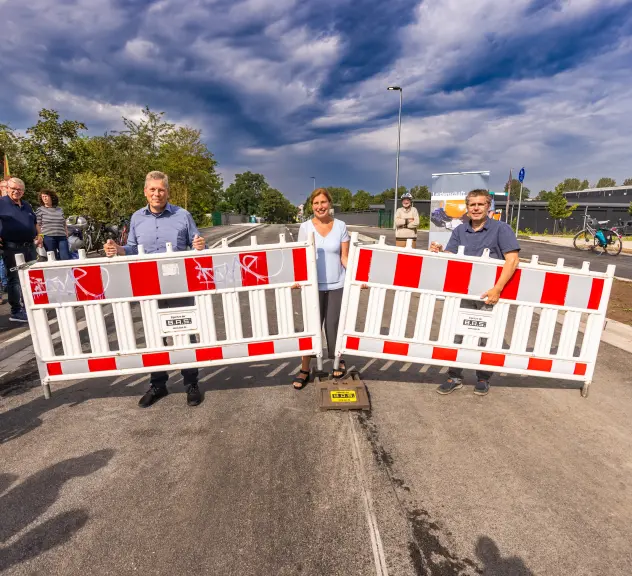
(16, 189)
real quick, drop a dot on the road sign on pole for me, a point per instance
(521, 178)
(521, 175)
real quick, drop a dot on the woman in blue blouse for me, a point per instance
(332, 250)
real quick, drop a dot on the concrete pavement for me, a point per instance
(531, 479)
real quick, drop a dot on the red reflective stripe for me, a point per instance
(38, 287)
(54, 369)
(299, 256)
(510, 291)
(492, 359)
(200, 274)
(457, 277)
(364, 266)
(580, 369)
(101, 364)
(408, 270)
(396, 348)
(88, 283)
(353, 343)
(144, 278)
(555, 288)
(206, 354)
(254, 269)
(444, 354)
(305, 344)
(157, 359)
(595, 293)
(540, 365)
(260, 348)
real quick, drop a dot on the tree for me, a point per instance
(515, 190)
(420, 192)
(338, 193)
(630, 209)
(572, 185)
(275, 207)
(606, 183)
(387, 194)
(544, 195)
(244, 194)
(558, 207)
(362, 200)
(346, 200)
(627, 182)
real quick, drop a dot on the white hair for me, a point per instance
(18, 181)
(156, 175)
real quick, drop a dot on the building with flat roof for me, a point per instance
(616, 194)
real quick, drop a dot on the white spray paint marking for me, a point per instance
(209, 376)
(424, 368)
(405, 367)
(367, 365)
(387, 365)
(277, 370)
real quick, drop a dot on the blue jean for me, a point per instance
(59, 245)
(14, 292)
(3, 274)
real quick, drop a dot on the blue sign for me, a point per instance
(521, 175)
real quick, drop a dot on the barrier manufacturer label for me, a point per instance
(179, 322)
(343, 396)
(476, 323)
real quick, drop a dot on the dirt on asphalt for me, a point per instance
(620, 306)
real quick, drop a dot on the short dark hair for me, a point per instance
(53, 196)
(478, 192)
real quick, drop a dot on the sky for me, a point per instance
(298, 88)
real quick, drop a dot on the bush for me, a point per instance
(424, 221)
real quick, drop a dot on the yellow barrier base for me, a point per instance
(349, 393)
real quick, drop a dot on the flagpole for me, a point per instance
(508, 196)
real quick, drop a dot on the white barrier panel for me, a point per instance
(240, 304)
(422, 293)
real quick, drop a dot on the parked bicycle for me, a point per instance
(596, 237)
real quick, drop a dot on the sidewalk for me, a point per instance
(561, 241)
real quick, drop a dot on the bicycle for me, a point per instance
(596, 235)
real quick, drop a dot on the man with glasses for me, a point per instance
(476, 234)
(18, 230)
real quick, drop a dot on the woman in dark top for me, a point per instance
(52, 225)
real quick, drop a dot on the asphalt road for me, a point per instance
(531, 479)
(548, 253)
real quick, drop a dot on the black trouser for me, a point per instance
(14, 292)
(458, 372)
(189, 375)
(330, 305)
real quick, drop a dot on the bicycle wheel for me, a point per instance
(614, 248)
(584, 240)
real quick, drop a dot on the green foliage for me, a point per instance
(275, 207)
(424, 221)
(558, 207)
(307, 208)
(630, 209)
(545, 195)
(420, 192)
(383, 197)
(346, 201)
(244, 194)
(572, 185)
(606, 183)
(337, 193)
(362, 200)
(627, 182)
(515, 190)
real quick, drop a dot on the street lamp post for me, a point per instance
(314, 179)
(399, 134)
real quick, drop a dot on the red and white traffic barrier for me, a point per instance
(496, 340)
(82, 293)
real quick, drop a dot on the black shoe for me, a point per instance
(194, 396)
(450, 385)
(152, 395)
(481, 388)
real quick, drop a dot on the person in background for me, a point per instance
(19, 231)
(152, 227)
(332, 249)
(476, 234)
(406, 222)
(4, 190)
(52, 225)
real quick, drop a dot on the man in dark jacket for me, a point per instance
(18, 230)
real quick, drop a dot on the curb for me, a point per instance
(624, 251)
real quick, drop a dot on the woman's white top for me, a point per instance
(330, 271)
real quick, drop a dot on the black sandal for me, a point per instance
(302, 382)
(340, 372)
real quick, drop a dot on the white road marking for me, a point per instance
(259, 365)
(503, 374)
(277, 370)
(387, 365)
(443, 370)
(367, 500)
(295, 371)
(367, 365)
(405, 367)
(424, 368)
(137, 381)
(209, 376)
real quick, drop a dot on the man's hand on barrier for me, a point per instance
(491, 296)
(111, 248)
(296, 286)
(436, 247)
(198, 242)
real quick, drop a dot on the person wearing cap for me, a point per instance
(478, 233)
(406, 222)
(153, 227)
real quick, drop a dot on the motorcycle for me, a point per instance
(76, 230)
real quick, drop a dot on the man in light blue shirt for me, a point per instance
(152, 227)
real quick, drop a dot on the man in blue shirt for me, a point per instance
(476, 234)
(152, 227)
(18, 226)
